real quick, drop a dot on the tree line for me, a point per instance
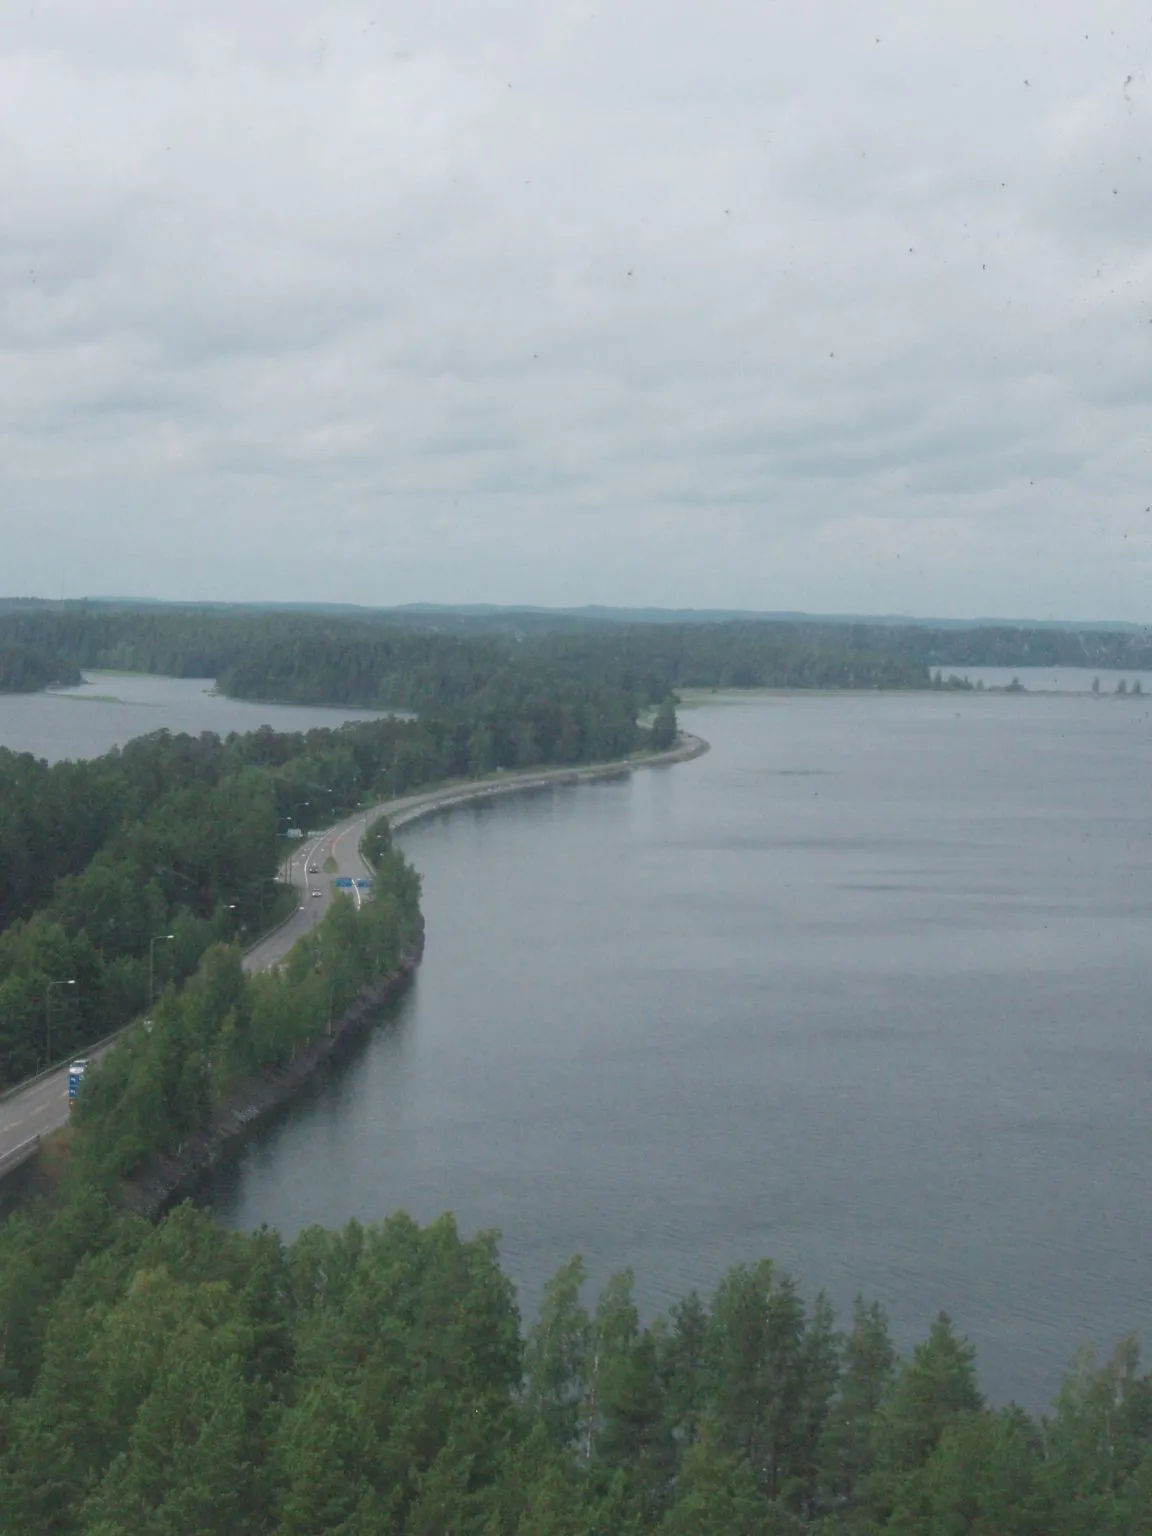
(177, 1378)
(431, 665)
(204, 1041)
(372, 661)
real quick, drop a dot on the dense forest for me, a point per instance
(206, 1040)
(180, 1380)
(28, 668)
(305, 658)
(473, 663)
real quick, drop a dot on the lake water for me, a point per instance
(865, 989)
(109, 708)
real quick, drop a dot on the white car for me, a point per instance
(317, 893)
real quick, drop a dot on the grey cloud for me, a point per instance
(513, 302)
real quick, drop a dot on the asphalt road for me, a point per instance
(42, 1105)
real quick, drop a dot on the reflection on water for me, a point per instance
(865, 989)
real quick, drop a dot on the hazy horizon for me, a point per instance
(591, 609)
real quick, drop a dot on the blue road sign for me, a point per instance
(344, 882)
(364, 885)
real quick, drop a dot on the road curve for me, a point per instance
(41, 1105)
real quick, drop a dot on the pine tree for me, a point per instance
(555, 1359)
(931, 1391)
(848, 1442)
(755, 1345)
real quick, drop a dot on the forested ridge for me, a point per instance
(308, 658)
(385, 660)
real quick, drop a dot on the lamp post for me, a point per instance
(152, 943)
(68, 981)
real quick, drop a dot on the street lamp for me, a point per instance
(300, 804)
(69, 981)
(152, 943)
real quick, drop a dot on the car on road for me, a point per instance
(313, 869)
(317, 893)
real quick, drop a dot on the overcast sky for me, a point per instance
(841, 306)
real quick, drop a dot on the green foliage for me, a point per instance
(377, 841)
(374, 660)
(557, 1355)
(759, 1370)
(1097, 1441)
(847, 1451)
(372, 1381)
(982, 1476)
(163, 1081)
(179, 835)
(930, 1394)
(664, 729)
(27, 668)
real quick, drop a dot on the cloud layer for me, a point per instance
(837, 307)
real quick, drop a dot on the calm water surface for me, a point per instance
(109, 708)
(865, 990)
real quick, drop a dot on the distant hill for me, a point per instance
(529, 616)
(602, 614)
